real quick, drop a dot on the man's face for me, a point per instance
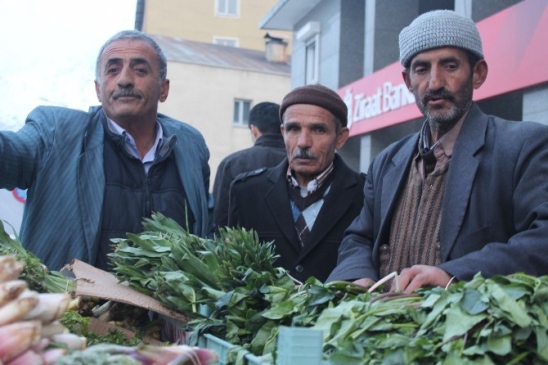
(129, 86)
(443, 83)
(310, 135)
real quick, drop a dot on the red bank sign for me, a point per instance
(514, 47)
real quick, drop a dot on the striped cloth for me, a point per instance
(414, 235)
(306, 203)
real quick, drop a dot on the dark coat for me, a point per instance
(260, 201)
(268, 151)
(494, 209)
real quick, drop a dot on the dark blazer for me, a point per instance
(260, 201)
(494, 209)
(268, 151)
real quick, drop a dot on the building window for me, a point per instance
(241, 112)
(227, 8)
(310, 35)
(312, 60)
(225, 41)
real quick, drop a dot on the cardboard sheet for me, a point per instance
(97, 283)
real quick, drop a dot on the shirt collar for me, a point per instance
(131, 147)
(446, 142)
(313, 185)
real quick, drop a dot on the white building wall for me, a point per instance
(204, 96)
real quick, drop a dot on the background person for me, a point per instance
(92, 176)
(268, 150)
(468, 193)
(305, 203)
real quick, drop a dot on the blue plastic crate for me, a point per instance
(258, 360)
(299, 346)
(220, 347)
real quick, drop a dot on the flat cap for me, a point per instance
(439, 28)
(318, 95)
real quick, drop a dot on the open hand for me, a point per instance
(419, 276)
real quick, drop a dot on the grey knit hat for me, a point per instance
(439, 28)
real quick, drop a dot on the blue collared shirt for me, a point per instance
(131, 147)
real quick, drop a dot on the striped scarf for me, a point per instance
(306, 204)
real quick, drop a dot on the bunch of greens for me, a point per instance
(221, 283)
(38, 277)
(501, 320)
(296, 308)
(79, 324)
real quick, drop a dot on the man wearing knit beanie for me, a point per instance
(467, 194)
(306, 202)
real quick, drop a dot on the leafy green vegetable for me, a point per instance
(485, 321)
(232, 277)
(38, 277)
(500, 320)
(79, 325)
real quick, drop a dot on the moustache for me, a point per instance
(124, 93)
(438, 94)
(304, 154)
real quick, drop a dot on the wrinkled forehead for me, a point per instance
(298, 113)
(439, 54)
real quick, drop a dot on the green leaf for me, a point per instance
(274, 294)
(332, 316)
(262, 336)
(472, 302)
(213, 294)
(506, 303)
(458, 323)
(500, 345)
(542, 343)
(279, 310)
(224, 300)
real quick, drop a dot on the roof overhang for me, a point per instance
(286, 13)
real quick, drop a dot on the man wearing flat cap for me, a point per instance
(306, 202)
(467, 194)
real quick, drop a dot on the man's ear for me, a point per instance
(254, 131)
(98, 90)
(164, 91)
(407, 80)
(342, 138)
(480, 73)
